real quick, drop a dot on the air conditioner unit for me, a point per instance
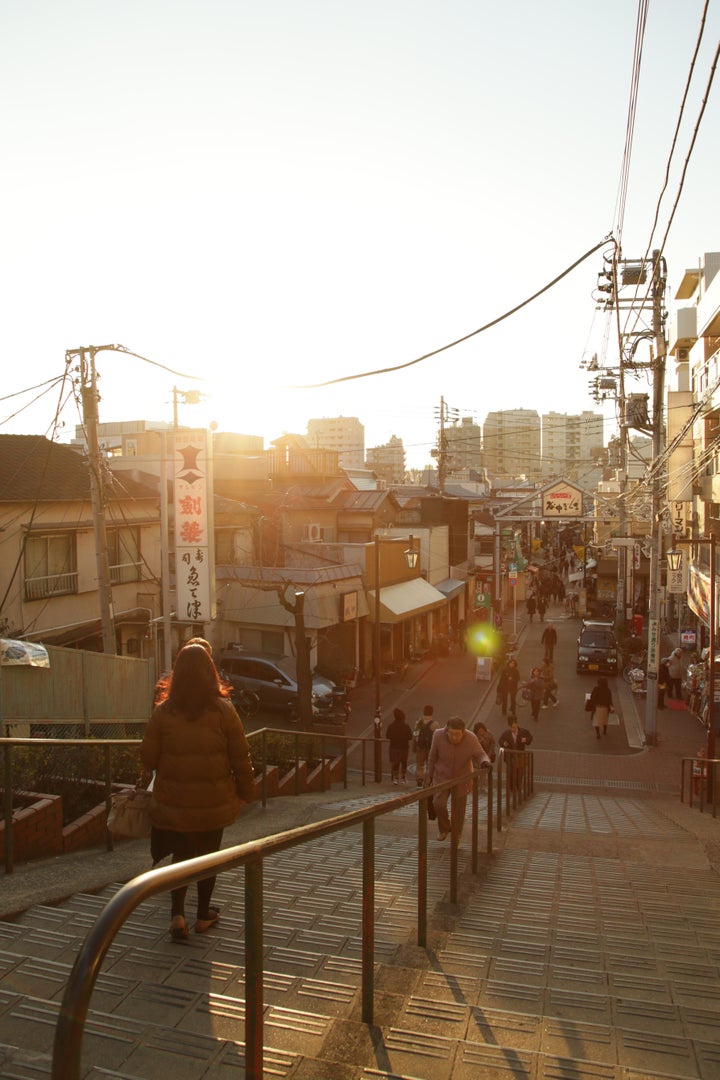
(312, 532)
(682, 356)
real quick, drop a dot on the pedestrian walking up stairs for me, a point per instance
(588, 948)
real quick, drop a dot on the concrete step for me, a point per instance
(589, 949)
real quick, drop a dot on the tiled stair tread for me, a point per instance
(621, 959)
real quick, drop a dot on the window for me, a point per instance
(50, 565)
(124, 555)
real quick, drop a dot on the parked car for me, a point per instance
(597, 648)
(274, 680)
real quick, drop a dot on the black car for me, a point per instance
(597, 649)
(274, 680)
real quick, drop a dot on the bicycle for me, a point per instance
(246, 702)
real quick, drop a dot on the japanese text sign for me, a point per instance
(193, 542)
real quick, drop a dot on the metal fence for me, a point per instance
(67, 1052)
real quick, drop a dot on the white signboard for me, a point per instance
(193, 543)
(676, 581)
(562, 500)
(678, 517)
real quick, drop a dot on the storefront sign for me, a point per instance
(562, 500)
(195, 569)
(350, 603)
(678, 517)
(653, 638)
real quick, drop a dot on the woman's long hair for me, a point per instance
(194, 684)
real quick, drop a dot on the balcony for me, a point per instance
(40, 588)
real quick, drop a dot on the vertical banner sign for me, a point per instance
(653, 641)
(678, 517)
(193, 554)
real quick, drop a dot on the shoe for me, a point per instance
(544, 706)
(419, 783)
(395, 780)
(442, 836)
(179, 928)
(203, 925)
(554, 704)
(403, 780)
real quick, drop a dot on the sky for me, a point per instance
(261, 197)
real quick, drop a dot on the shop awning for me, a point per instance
(450, 587)
(408, 598)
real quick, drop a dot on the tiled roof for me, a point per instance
(35, 468)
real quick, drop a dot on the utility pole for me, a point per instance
(90, 399)
(658, 445)
(441, 451)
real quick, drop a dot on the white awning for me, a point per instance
(408, 598)
(450, 587)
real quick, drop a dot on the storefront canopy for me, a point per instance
(450, 587)
(408, 598)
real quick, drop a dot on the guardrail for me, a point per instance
(67, 1049)
(698, 771)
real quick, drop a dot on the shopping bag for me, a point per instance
(588, 703)
(130, 813)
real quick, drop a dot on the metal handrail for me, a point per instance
(67, 1049)
(703, 764)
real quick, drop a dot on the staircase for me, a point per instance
(587, 949)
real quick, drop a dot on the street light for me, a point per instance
(674, 559)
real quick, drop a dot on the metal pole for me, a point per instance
(254, 970)
(711, 701)
(368, 921)
(377, 722)
(165, 554)
(90, 400)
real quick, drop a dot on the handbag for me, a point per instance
(588, 704)
(130, 813)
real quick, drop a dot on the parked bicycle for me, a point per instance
(246, 702)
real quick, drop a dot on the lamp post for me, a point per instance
(674, 561)
(411, 558)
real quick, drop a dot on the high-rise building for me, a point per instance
(388, 461)
(342, 433)
(571, 444)
(464, 445)
(511, 444)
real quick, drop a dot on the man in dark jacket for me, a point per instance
(549, 640)
(512, 739)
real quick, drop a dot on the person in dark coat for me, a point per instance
(399, 736)
(536, 687)
(601, 703)
(549, 640)
(531, 606)
(508, 686)
(204, 775)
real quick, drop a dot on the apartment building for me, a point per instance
(344, 434)
(388, 460)
(511, 444)
(571, 444)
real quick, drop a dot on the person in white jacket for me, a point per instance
(454, 752)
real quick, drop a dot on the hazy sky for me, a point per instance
(267, 194)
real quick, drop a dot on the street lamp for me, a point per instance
(674, 560)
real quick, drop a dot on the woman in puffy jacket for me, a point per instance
(196, 744)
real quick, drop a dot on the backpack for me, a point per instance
(423, 736)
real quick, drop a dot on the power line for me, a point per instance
(458, 341)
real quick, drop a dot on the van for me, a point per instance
(597, 648)
(274, 680)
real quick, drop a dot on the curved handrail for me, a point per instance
(66, 1060)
